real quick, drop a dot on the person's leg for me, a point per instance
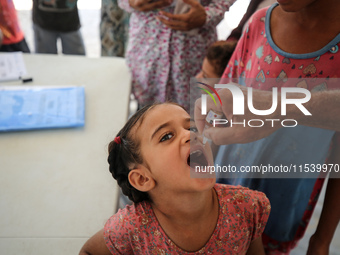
(72, 43)
(45, 41)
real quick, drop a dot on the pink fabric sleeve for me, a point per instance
(261, 213)
(231, 70)
(116, 234)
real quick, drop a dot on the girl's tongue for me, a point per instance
(197, 158)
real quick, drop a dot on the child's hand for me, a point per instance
(194, 18)
(149, 5)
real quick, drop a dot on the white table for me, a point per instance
(56, 189)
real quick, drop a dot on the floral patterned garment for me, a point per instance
(162, 60)
(114, 27)
(243, 214)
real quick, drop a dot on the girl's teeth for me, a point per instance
(198, 151)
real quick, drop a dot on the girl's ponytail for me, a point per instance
(124, 153)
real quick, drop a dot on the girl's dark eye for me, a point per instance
(193, 129)
(166, 137)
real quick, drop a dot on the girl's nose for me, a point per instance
(186, 136)
(192, 136)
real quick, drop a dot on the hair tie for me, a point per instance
(117, 140)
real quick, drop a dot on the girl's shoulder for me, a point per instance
(130, 216)
(120, 230)
(256, 24)
(243, 207)
(261, 14)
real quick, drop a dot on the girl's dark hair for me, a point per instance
(127, 153)
(219, 53)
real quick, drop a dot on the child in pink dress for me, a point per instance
(151, 158)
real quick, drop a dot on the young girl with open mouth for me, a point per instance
(152, 159)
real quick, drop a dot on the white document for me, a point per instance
(12, 66)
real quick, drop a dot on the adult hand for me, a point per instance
(240, 132)
(148, 5)
(194, 18)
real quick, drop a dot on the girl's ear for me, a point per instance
(140, 179)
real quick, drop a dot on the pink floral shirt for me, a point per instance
(258, 62)
(162, 60)
(243, 214)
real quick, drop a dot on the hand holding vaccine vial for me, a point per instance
(209, 120)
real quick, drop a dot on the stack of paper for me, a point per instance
(12, 66)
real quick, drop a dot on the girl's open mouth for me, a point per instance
(197, 158)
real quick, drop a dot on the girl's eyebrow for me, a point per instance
(159, 128)
(167, 124)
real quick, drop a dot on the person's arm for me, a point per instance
(194, 18)
(320, 241)
(95, 245)
(256, 247)
(324, 107)
(197, 16)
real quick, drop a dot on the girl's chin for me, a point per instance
(204, 179)
(202, 173)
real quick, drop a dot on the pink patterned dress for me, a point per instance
(258, 62)
(162, 60)
(243, 214)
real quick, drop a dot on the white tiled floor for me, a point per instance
(90, 31)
